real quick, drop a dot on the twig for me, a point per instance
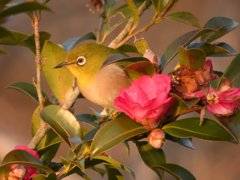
(42, 130)
(118, 43)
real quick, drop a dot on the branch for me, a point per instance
(117, 44)
(42, 130)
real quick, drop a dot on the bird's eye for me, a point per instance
(81, 60)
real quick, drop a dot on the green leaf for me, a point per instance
(215, 50)
(113, 173)
(29, 90)
(21, 157)
(128, 48)
(4, 32)
(138, 69)
(159, 6)
(30, 41)
(232, 124)
(114, 163)
(113, 133)
(60, 80)
(223, 25)
(175, 170)
(189, 127)
(50, 176)
(89, 119)
(141, 45)
(122, 60)
(194, 58)
(23, 7)
(151, 156)
(232, 72)
(62, 122)
(3, 3)
(14, 38)
(187, 142)
(127, 147)
(184, 17)
(48, 146)
(108, 7)
(134, 12)
(226, 47)
(179, 106)
(67, 45)
(184, 40)
(101, 171)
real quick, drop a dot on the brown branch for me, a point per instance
(118, 43)
(42, 130)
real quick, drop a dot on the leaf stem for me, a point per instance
(42, 130)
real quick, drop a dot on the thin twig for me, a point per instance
(145, 28)
(42, 130)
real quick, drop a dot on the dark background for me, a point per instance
(210, 160)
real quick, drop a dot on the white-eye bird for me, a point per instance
(99, 85)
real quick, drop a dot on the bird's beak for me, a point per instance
(63, 64)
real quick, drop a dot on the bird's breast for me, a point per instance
(105, 87)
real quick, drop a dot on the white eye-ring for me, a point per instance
(81, 60)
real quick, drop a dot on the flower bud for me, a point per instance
(156, 138)
(17, 173)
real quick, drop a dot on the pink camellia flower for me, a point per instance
(30, 171)
(224, 102)
(146, 101)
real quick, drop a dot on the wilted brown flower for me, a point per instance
(95, 4)
(187, 80)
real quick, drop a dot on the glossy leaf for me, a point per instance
(62, 122)
(28, 6)
(108, 7)
(232, 72)
(226, 47)
(190, 128)
(187, 142)
(179, 106)
(176, 171)
(194, 58)
(222, 25)
(232, 124)
(214, 50)
(184, 17)
(134, 12)
(4, 32)
(138, 69)
(151, 156)
(159, 6)
(61, 80)
(14, 38)
(89, 119)
(50, 176)
(114, 163)
(141, 45)
(122, 60)
(21, 157)
(113, 173)
(113, 133)
(128, 48)
(30, 41)
(29, 90)
(48, 146)
(70, 43)
(184, 40)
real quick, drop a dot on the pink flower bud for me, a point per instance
(156, 138)
(146, 101)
